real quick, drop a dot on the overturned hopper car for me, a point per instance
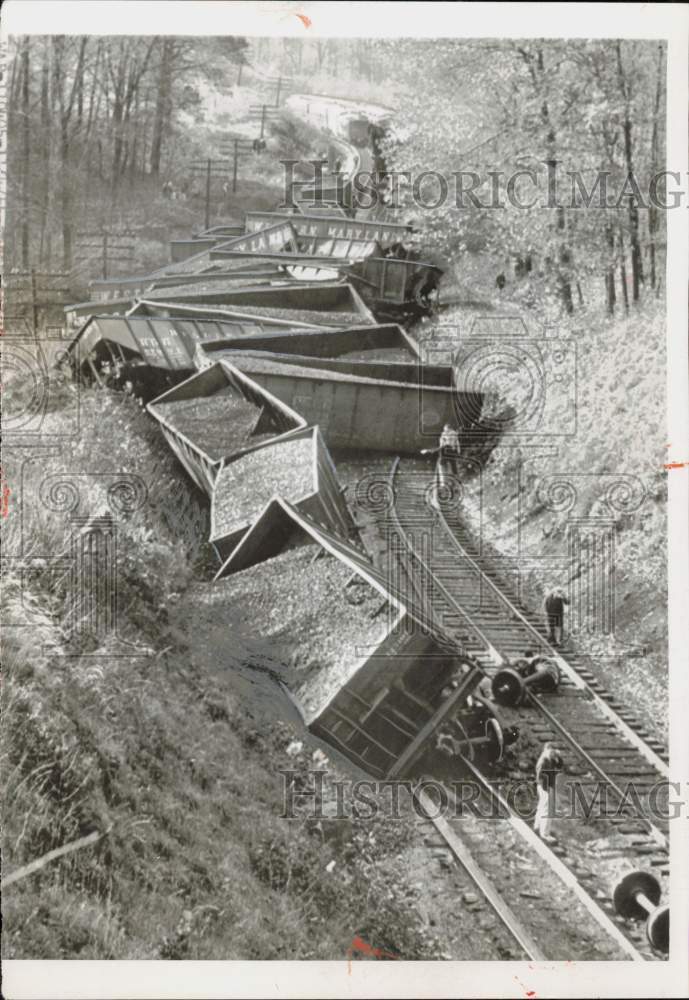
(377, 681)
(152, 352)
(332, 227)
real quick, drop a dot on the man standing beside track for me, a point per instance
(448, 448)
(548, 766)
(555, 612)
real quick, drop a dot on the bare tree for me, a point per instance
(66, 95)
(652, 209)
(625, 84)
(163, 103)
(26, 152)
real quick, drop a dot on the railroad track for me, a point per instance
(605, 749)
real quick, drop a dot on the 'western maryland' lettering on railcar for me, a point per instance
(327, 226)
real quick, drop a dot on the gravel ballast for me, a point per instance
(299, 604)
(219, 424)
(244, 487)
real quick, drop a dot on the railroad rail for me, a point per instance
(599, 743)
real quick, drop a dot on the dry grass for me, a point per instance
(199, 863)
(620, 430)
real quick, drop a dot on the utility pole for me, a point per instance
(100, 248)
(267, 114)
(219, 169)
(208, 193)
(239, 146)
(34, 303)
(277, 99)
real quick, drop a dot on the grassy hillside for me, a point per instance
(617, 395)
(167, 738)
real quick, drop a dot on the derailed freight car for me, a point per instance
(363, 412)
(383, 342)
(154, 351)
(217, 415)
(371, 676)
(296, 466)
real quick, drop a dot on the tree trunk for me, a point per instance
(564, 253)
(652, 209)
(118, 114)
(162, 109)
(93, 107)
(625, 90)
(135, 137)
(46, 149)
(13, 91)
(623, 274)
(26, 155)
(65, 199)
(610, 272)
(65, 112)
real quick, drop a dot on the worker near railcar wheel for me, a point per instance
(527, 664)
(548, 766)
(554, 605)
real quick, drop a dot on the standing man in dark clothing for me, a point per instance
(555, 613)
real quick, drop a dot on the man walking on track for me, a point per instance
(555, 613)
(548, 766)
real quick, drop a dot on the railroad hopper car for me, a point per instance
(174, 285)
(315, 253)
(385, 283)
(408, 373)
(279, 236)
(295, 304)
(151, 350)
(359, 131)
(329, 208)
(380, 342)
(380, 695)
(241, 417)
(297, 466)
(182, 249)
(301, 304)
(382, 280)
(364, 411)
(330, 227)
(183, 311)
(327, 297)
